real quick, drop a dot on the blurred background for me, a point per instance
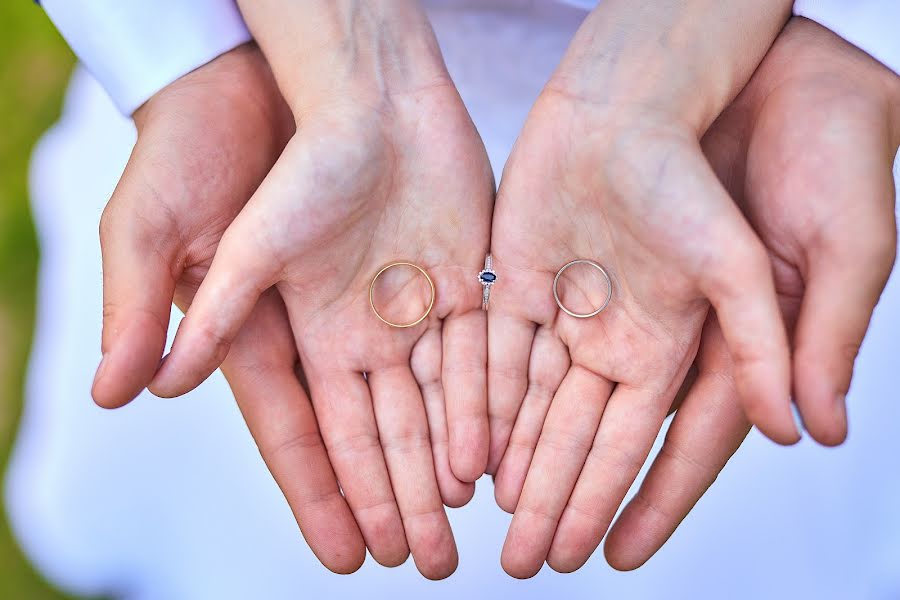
(35, 65)
(739, 519)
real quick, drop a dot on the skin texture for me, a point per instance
(387, 168)
(204, 145)
(613, 171)
(806, 150)
(383, 163)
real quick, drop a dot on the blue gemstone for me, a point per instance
(488, 277)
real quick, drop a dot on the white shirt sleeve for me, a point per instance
(871, 25)
(135, 48)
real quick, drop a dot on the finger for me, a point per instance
(343, 408)
(548, 365)
(242, 269)
(738, 281)
(706, 431)
(564, 444)
(631, 421)
(509, 348)
(846, 273)
(403, 428)
(464, 377)
(261, 371)
(426, 367)
(139, 254)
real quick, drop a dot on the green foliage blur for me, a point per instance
(34, 67)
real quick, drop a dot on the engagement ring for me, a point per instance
(487, 277)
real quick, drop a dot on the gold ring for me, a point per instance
(609, 288)
(372, 294)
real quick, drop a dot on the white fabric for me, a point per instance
(169, 499)
(135, 48)
(871, 25)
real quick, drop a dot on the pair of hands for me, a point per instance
(349, 173)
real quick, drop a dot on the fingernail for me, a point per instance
(101, 368)
(841, 405)
(798, 419)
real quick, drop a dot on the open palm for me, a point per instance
(204, 144)
(356, 188)
(807, 150)
(642, 201)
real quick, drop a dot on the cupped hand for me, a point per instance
(369, 178)
(576, 404)
(807, 150)
(204, 144)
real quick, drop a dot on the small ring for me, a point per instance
(372, 294)
(583, 261)
(487, 277)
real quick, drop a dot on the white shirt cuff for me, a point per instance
(870, 25)
(136, 48)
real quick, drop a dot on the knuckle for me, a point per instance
(292, 445)
(536, 509)
(407, 442)
(565, 442)
(354, 446)
(684, 460)
(217, 342)
(848, 351)
(739, 267)
(614, 457)
(652, 505)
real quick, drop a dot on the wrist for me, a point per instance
(686, 59)
(343, 51)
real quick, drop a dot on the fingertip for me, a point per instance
(518, 568)
(565, 562)
(627, 546)
(458, 495)
(126, 369)
(829, 426)
(525, 548)
(767, 404)
(505, 498)
(781, 429)
(623, 560)
(437, 568)
(347, 559)
(188, 364)
(435, 555)
(391, 557)
(824, 409)
(469, 443)
(165, 383)
(506, 491)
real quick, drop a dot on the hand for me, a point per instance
(204, 144)
(385, 165)
(807, 149)
(816, 97)
(609, 167)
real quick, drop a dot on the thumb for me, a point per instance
(240, 272)
(847, 269)
(138, 284)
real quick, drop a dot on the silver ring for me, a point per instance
(583, 261)
(487, 277)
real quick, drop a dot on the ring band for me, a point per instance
(487, 277)
(372, 294)
(582, 261)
